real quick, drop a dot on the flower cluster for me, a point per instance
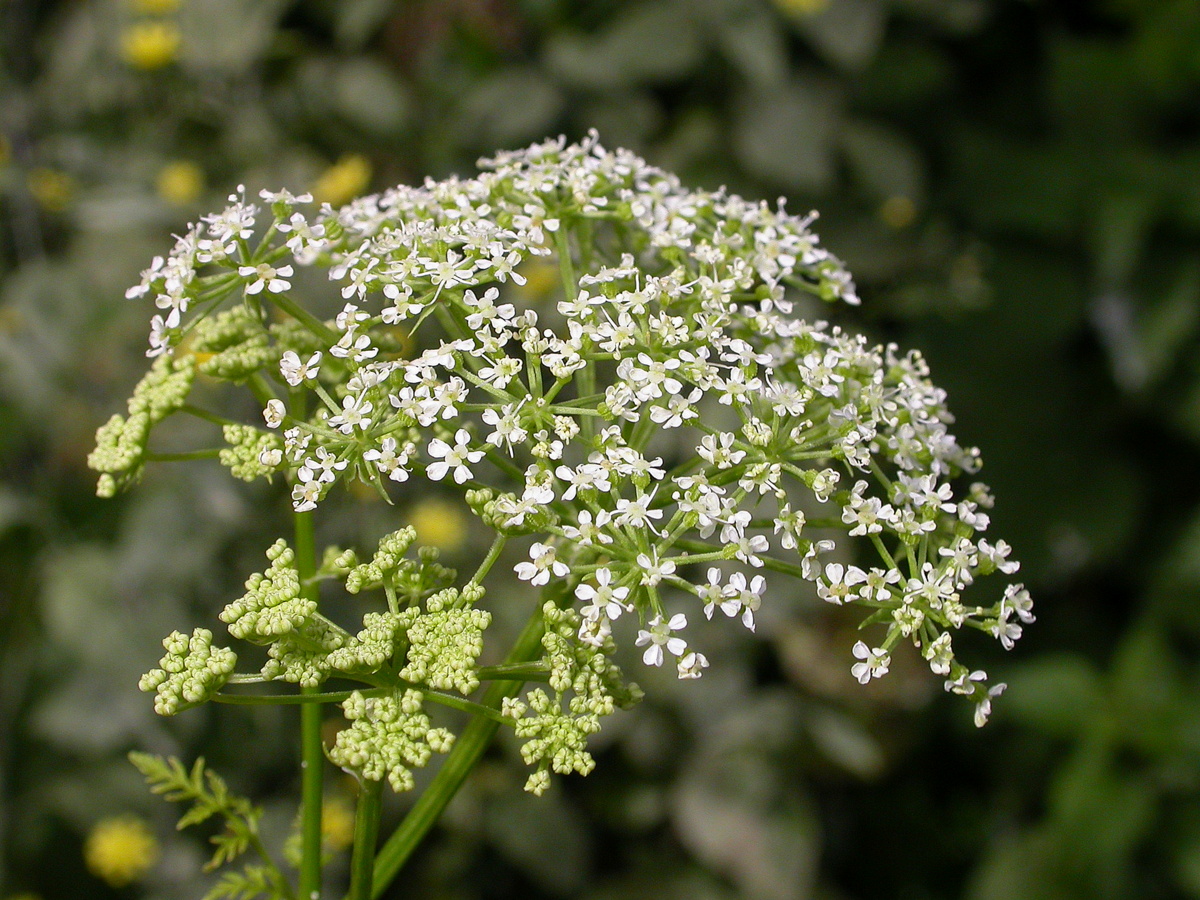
(667, 435)
(388, 735)
(190, 673)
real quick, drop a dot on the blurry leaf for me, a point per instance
(227, 36)
(786, 136)
(740, 811)
(77, 604)
(1119, 231)
(1180, 568)
(1059, 694)
(1112, 317)
(883, 162)
(369, 95)
(846, 32)
(1006, 184)
(93, 713)
(1093, 842)
(542, 835)
(625, 119)
(357, 20)
(14, 509)
(754, 44)
(1147, 692)
(632, 49)
(1169, 326)
(1017, 868)
(1187, 857)
(770, 852)
(845, 742)
(512, 106)
(953, 16)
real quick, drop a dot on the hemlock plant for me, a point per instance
(666, 437)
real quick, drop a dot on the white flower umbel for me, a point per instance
(676, 424)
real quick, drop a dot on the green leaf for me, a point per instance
(847, 32)
(1060, 693)
(786, 136)
(883, 162)
(368, 95)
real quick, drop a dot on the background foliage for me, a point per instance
(1015, 184)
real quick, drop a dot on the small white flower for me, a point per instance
(544, 562)
(455, 457)
(306, 491)
(1017, 600)
(691, 664)
(839, 583)
(654, 571)
(355, 414)
(605, 600)
(874, 663)
(389, 461)
(266, 276)
(659, 635)
(296, 372)
(274, 413)
(983, 707)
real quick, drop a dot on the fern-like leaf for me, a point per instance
(209, 795)
(250, 883)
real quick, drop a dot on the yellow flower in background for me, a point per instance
(5, 151)
(802, 8)
(541, 278)
(898, 211)
(151, 44)
(439, 524)
(337, 823)
(155, 7)
(52, 189)
(180, 183)
(343, 181)
(120, 850)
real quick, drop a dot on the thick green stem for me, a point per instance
(366, 835)
(468, 750)
(312, 754)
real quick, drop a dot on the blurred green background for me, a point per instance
(1014, 183)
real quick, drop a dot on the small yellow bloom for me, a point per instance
(151, 44)
(439, 524)
(541, 278)
(898, 211)
(155, 7)
(343, 181)
(337, 823)
(120, 850)
(802, 8)
(51, 188)
(180, 183)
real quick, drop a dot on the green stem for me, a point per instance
(468, 750)
(312, 754)
(304, 317)
(490, 559)
(186, 455)
(206, 415)
(515, 672)
(366, 836)
(278, 699)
